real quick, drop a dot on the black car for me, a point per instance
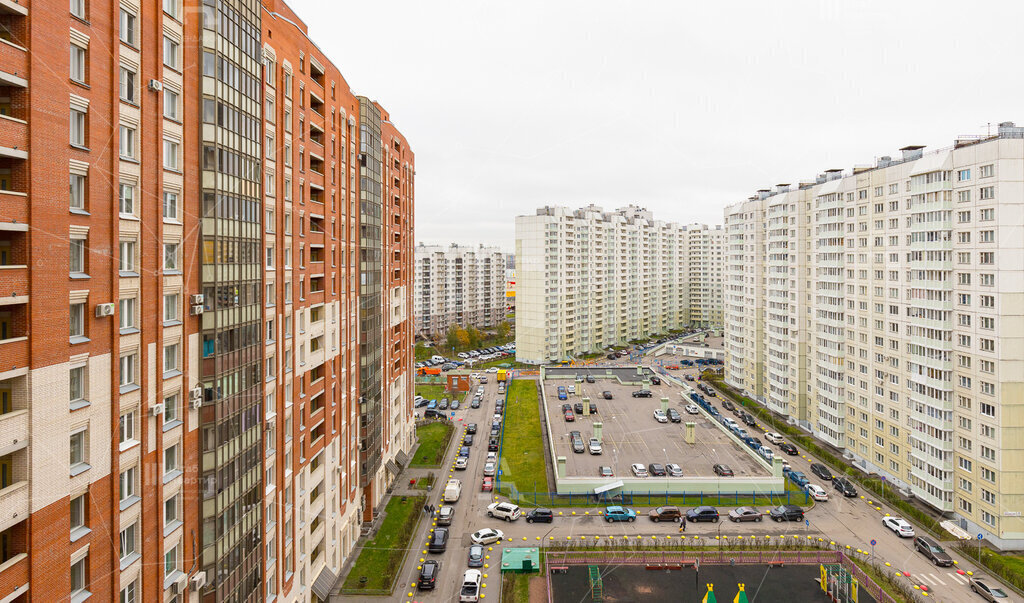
(930, 549)
(540, 516)
(566, 407)
(464, 451)
(674, 416)
(593, 408)
(438, 540)
(702, 514)
(788, 449)
(578, 408)
(612, 356)
(656, 469)
(455, 405)
(727, 405)
(475, 403)
(590, 379)
(467, 440)
(606, 395)
(748, 419)
(492, 444)
(470, 427)
(787, 513)
(722, 470)
(428, 575)
(642, 393)
(443, 404)
(577, 445)
(499, 410)
(655, 380)
(423, 402)
(821, 471)
(843, 485)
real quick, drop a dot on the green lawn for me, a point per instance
(380, 559)
(433, 439)
(515, 587)
(430, 392)
(522, 453)
(498, 361)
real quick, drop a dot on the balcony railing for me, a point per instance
(13, 504)
(14, 575)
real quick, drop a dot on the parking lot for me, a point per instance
(630, 433)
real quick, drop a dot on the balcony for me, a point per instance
(13, 430)
(14, 572)
(13, 136)
(14, 209)
(13, 504)
(13, 57)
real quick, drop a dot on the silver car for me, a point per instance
(489, 469)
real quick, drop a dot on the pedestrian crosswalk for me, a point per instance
(943, 579)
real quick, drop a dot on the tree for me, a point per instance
(474, 337)
(504, 329)
(453, 337)
(462, 337)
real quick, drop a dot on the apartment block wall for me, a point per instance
(908, 275)
(587, 279)
(459, 285)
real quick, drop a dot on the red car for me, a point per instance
(570, 416)
(487, 485)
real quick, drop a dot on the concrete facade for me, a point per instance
(459, 285)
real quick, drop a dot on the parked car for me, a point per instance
(467, 440)
(593, 408)
(692, 409)
(455, 405)
(594, 446)
(445, 516)
(578, 408)
(660, 416)
(470, 428)
(606, 395)
(674, 416)
(464, 451)
(461, 463)
(428, 575)
(748, 419)
(443, 404)
(766, 453)
(492, 443)
(570, 417)
(638, 470)
(656, 469)
(745, 514)
(540, 516)
(821, 471)
(566, 407)
(728, 405)
(899, 526)
(577, 444)
(590, 379)
(817, 492)
(930, 549)
(487, 485)
(674, 470)
(642, 393)
(611, 356)
(617, 513)
(788, 449)
(722, 470)
(665, 513)
(845, 486)
(476, 556)
(704, 513)
(475, 403)
(655, 380)
(605, 471)
(798, 478)
(988, 590)
(504, 510)
(470, 592)
(773, 437)
(487, 536)
(438, 540)
(787, 513)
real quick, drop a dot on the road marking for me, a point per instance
(937, 579)
(959, 579)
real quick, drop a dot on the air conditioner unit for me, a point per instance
(156, 85)
(197, 298)
(156, 410)
(197, 392)
(179, 584)
(198, 580)
(104, 310)
(196, 310)
(197, 403)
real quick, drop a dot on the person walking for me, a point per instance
(682, 525)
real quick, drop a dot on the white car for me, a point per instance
(899, 525)
(773, 437)
(786, 466)
(463, 355)
(492, 369)
(471, 581)
(692, 409)
(638, 470)
(817, 492)
(572, 389)
(595, 446)
(674, 470)
(766, 452)
(659, 416)
(489, 469)
(487, 536)
(461, 463)
(504, 510)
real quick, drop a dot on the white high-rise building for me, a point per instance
(587, 279)
(883, 310)
(458, 285)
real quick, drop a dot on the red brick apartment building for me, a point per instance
(185, 418)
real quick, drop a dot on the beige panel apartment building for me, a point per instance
(587, 279)
(458, 285)
(893, 309)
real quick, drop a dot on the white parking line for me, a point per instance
(937, 579)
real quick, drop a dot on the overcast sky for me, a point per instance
(681, 107)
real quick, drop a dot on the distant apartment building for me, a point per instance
(458, 285)
(192, 431)
(880, 309)
(587, 279)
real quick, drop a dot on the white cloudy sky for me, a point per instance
(682, 107)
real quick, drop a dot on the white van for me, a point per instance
(452, 490)
(436, 358)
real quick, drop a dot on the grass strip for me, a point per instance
(380, 560)
(434, 438)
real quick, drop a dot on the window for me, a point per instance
(963, 196)
(987, 236)
(987, 192)
(171, 560)
(126, 199)
(78, 513)
(78, 448)
(129, 593)
(172, 408)
(170, 205)
(77, 384)
(171, 511)
(78, 8)
(988, 301)
(171, 100)
(127, 542)
(962, 175)
(170, 357)
(127, 27)
(171, 8)
(127, 83)
(77, 66)
(126, 484)
(987, 280)
(170, 53)
(76, 191)
(986, 171)
(128, 369)
(171, 459)
(77, 321)
(126, 142)
(126, 428)
(170, 307)
(171, 154)
(987, 257)
(170, 256)
(989, 410)
(127, 311)
(77, 128)
(79, 576)
(77, 256)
